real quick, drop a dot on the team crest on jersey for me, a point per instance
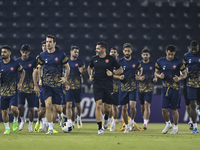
(106, 60)
(11, 68)
(199, 60)
(150, 68)
(174, 66)
(76, 65)
(30, 65)
(56, 59)
(133, 65)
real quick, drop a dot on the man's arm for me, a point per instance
(118, 71)
(183, 76)
(90, 72)
(158, 75)
(40, 74)
(22, 76)
(35, 79)
(66, 70)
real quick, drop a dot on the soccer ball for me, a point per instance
(67, 127)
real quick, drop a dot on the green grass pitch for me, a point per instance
(88, 139)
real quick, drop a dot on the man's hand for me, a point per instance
(91, 78)
(176, 78)
(121, 77)
(80, 69)
(109, 73)
(162, 75)
(155, 79)
(19, 86)
(136, 77)
(63, 80)
(141, 78)
(37, 89)
(67, 87)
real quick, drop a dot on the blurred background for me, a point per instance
(143, 23)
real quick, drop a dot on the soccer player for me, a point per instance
(77, 69)
(53, 62)
(27, 91)
(9, 85)
(115, 101)
(168, 69)
(145, 92)
(192, 62)
(101, 71)
(128, 85)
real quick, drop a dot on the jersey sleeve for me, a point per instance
(91, 64)
(157, 66)
(116, 63)
(182, 66)
(20, 68)
(39, 60)
(65, 59)
(139, 65)
(82, 64)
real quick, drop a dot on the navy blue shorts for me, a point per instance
(30, 97)
(73, 95)
(115, 100)
(125, 97)
(65, 101)
(104, 94)
(6, 100)
(193, 93)
(55, 93)
(147, 96)
(170, 98)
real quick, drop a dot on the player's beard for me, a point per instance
(4, 57)
(127, 56)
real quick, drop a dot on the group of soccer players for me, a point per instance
(52, 82)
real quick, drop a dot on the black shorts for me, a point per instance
(104, 94)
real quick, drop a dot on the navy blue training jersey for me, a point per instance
(100, 65)
(28, 65)
(148, 72)
(9, 77)
(170, 69)
(192, 62)
(74, 78)
(130, 68)
(52, 67)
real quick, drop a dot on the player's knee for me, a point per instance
(164, 111)
(69, 105)
(20, 107)
(193, 104)
(31, 110)
(4, 113)
(124, 108)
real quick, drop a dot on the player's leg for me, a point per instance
(132, 103)
(110, 116)
(49, 113)
(192, 96)
(148, 98)
(73, 115)
(69, 112)
(21, 102)
(114, 114)
(77, 99)
(165, 101)
(5, 109)
(125, 117)
(98, 96)
(31, 99)
(15, 111)
(187, 103)
(107, 108)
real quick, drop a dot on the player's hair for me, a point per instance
(194, 43)
(57, 47)
(43, 42)
(26, 47)
(146, 50)
(102, 44)
(6, 47)
(74, 47)
(127, 45)
(114, 48)
(171, 48)
(52, 37)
